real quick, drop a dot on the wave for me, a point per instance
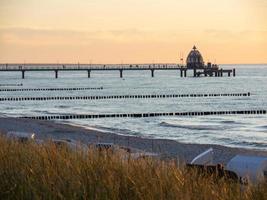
(10, 108)
(263, 127)
(251, 144)
(119, 131)
(230, 122)
(45, 112)
(192, 127)
(84, 126)
(62, 106)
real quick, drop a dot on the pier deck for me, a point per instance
(113, 67)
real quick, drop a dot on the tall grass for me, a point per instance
(32, 171)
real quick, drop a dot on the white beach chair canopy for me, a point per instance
(254, 168)
(205, 158)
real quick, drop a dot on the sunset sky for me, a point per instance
(132, 31)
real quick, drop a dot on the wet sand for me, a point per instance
(168, 148)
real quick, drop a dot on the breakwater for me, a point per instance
(144, 115)
(141, 96)
(49, 89)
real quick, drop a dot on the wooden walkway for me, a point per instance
(113, 67)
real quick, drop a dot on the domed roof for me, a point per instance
(194, 59)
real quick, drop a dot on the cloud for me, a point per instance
(244, 35)
(261, 3)
(46, 36)
(220, 33)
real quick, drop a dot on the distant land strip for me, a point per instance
(49, 89)
(144, 115)
(150, 96)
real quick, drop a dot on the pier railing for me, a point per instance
(19, 67)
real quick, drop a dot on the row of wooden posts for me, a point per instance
(49, 89)
(145, 115)
(149, 96)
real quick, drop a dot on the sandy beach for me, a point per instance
(169, 148)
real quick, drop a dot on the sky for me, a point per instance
(132, 31)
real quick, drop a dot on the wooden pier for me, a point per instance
(214, 72)
(183, 71)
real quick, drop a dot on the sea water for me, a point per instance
(248, 131)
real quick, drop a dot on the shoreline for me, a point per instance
(169, 148)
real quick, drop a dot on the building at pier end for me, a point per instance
(194, 59)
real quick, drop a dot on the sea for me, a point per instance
(246, 131)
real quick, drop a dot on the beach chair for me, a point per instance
(251, 168)
(21, 136)
(202, 164)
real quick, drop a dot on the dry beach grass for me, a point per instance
(34, 171)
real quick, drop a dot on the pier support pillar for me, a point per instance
(56, 73)
(195, 72)
(23, 74)
(181, 72)
(89, 73)
(152, 73)
(185, 72)
(205, 72)
(221, 72)
(234, 72)
(229, 74)
(121, 73)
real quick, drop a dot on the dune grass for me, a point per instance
(34, 171)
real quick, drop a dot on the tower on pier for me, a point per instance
(194, 59)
